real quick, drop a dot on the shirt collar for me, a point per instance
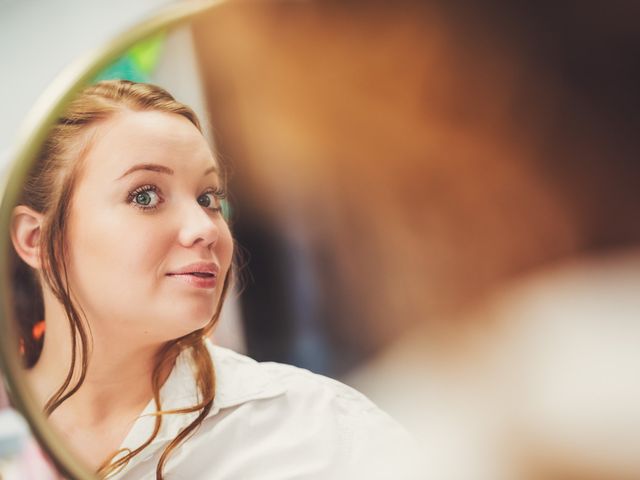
(238, 379)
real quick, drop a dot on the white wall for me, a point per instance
(38, 38)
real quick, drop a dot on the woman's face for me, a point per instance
(148, 246)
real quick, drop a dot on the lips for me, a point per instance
(201, 274)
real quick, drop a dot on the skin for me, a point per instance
(120, 254)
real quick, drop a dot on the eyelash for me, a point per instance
(218, 193)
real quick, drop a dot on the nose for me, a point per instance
(197, 227)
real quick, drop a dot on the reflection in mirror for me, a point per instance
(94, 228)
(122, 259)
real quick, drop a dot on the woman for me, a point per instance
(120, 228)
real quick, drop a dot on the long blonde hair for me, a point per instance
(49, 190)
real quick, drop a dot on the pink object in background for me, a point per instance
(21, 458)
(34, 465)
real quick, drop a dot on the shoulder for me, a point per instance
(240, 378)
(306, 414)
(270, 420)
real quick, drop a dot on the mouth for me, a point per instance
(200, 275)
(197, 274)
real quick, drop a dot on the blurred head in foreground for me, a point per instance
(523, 216)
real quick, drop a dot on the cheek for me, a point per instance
(110, 251)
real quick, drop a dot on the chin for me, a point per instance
(174, 334)
(193, 322)
(179, 320)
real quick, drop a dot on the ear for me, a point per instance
(25, 234)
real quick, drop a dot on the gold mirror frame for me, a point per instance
(31, 135)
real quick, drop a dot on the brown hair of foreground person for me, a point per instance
(49, 190)
(457, 144)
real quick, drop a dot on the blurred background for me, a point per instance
(435, 202)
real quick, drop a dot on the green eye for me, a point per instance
(143, 198)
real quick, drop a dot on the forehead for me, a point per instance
(128, 138)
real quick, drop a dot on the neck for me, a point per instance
(117, 380)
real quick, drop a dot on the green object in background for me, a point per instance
(226, 210)
(137, 64)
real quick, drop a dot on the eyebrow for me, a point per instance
(212, 169)
(153, 167)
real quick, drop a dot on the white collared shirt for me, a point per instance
(269, 421)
